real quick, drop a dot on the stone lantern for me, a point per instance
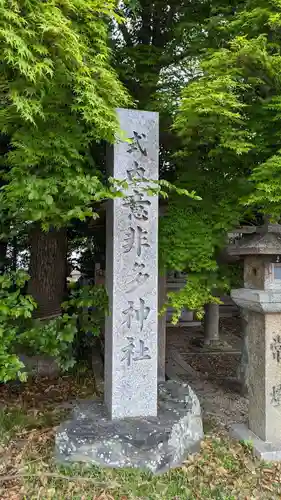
(260, 300)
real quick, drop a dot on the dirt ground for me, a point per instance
(224, 469)
(212, 374)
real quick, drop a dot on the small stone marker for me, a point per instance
(132, 272)
(261, 304)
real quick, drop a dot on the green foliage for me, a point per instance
(14, 309)
(201, 284)
(230, 145)
(90, 305)
(84, 315)
(58, 94)
(231, 113)
(166, 45)
(53, 337)
(197, 292)
(234, 274)
(20, 333)
(192, 238)
(160, 188)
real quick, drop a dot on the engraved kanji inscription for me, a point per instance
(136, 144)
(136, 172)
(128, 351)
(142, 352)
(140, 278)
(138, 206)
(135, 238)
(141, 314)
(276, 395)
(129, 314)
(275, 347)
(131, 353)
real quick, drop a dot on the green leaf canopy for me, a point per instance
(58, 93)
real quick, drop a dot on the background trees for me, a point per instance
(58, 94)
(158, 55)
(230, 140)
(211, 70)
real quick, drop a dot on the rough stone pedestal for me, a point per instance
(153, 443)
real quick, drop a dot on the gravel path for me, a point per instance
(213, 377)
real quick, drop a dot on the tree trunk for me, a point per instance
(3, 256)
(211, 324)
(48, 269)
(14, 254)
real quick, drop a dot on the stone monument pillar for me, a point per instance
(260, 299)
(140, 423)
(131, 336)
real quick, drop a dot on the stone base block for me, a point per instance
(155, 443)
(40, 366)
(263, 450)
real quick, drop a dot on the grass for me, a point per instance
(222, 470)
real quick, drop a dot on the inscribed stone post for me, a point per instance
(132, 271)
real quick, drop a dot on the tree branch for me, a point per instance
(126, 35)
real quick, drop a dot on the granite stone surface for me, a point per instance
(243, 368)
(152, 443)
(263, 364)
(259, 243)
(131, 330)
(259, 272)
(257, 373)
(263, 301)
(254, 272)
